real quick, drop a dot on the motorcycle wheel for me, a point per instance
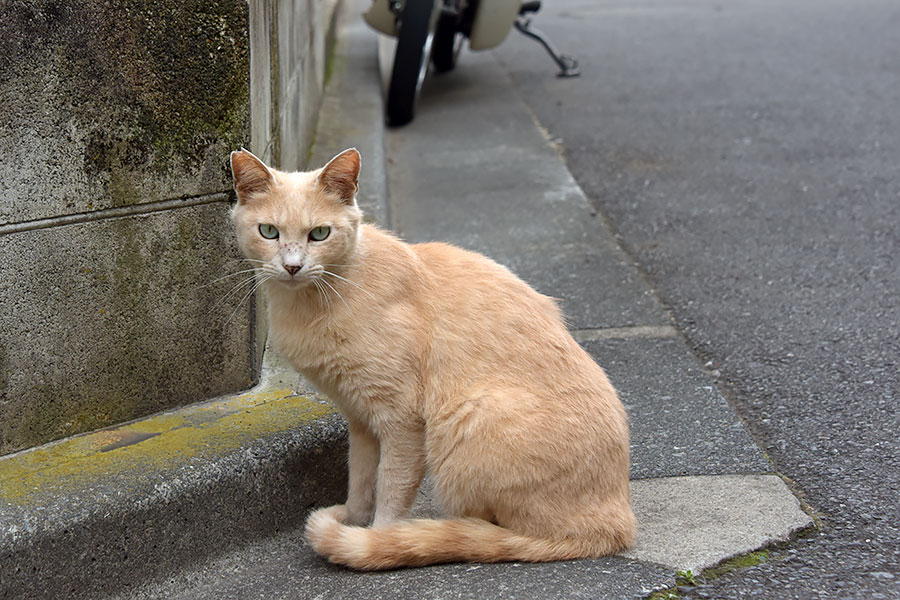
(447, 43)
(410, 61)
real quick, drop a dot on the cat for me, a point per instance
(439, 359)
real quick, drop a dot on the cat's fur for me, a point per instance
(441, 359)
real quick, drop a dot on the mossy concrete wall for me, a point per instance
(116, 123)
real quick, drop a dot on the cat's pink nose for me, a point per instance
(292, 269)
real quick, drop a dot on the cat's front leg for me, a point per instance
(400, 471)
(363, 463)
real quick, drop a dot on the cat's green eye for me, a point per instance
(319, 233)
(270, 232)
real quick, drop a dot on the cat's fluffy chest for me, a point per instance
(303, 341)
(353, 361)
(314, 351)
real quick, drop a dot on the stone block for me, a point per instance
(119, 103)
(109, 320)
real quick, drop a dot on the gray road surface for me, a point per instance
(747, 153)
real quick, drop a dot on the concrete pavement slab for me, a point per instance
(693, 523)
(544, 232)
(680, 423)
(490, 181)
(685, 523)
(595, 286)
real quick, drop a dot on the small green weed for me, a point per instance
(738, 562)
(685, 578)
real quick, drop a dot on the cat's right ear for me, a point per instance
(251, 175)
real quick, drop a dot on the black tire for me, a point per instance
(410, 61)
(446, 44)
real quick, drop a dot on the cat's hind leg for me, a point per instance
(540, 470)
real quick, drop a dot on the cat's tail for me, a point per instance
(420, 542)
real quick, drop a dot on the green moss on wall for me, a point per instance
(60, 410)
(185, 66)
(145, 83)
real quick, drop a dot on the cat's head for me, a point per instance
(295, 226)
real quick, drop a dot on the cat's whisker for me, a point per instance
(353, 283)
(325, 281)
(315, 275)
(325, 293)
(230, 275)
(237, 289)
(251, 260)
(246, 297)
(329, 307)
(318, 289)
(223, 301)
(328, 296)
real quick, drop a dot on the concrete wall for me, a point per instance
(116, 123)
(291, 42)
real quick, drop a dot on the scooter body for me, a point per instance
(431, 32)
(492, 22)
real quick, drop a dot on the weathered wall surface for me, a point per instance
(118, 103)
(116, 123)
(291, 45)
(105, 321)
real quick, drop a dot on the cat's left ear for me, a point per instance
(341, 175)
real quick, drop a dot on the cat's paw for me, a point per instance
(359, 518)
(338, 512)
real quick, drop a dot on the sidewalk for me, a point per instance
(219, 515)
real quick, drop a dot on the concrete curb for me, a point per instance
(694, 523)
(104, 511)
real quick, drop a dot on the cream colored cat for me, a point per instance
(440, 359)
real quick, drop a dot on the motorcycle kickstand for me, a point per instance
(568, 65)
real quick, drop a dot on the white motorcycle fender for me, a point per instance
(380, 18)
(493, 20)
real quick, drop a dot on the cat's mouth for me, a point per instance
(296, 281)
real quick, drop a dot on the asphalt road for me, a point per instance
(747, 153)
